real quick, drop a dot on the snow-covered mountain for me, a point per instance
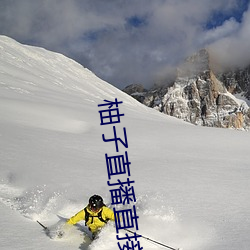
(201, 95)
(237, 81)
(191, 183)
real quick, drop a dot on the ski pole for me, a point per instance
(159, 243)
(45, 228)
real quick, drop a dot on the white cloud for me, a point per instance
(228, 28)
(97, 32)
(233, 49)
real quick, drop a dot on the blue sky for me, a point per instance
(218, 17)
(131, 41)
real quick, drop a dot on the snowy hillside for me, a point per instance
(192, 183)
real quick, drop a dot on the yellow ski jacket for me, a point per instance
(93, 223)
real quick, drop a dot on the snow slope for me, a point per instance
(192, 183)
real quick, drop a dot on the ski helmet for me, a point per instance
(96, 202)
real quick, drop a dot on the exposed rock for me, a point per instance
(201, 97)
(137, 91)
(237, 81)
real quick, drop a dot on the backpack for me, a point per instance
(99, 216)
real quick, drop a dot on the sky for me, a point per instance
(132, 41)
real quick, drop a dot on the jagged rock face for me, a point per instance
(237, 81)
(205, 102)
(199, 97)
(137, 91)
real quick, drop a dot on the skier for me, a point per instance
(95, 214)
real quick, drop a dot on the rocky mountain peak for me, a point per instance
(200, 96)
(196, 64)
